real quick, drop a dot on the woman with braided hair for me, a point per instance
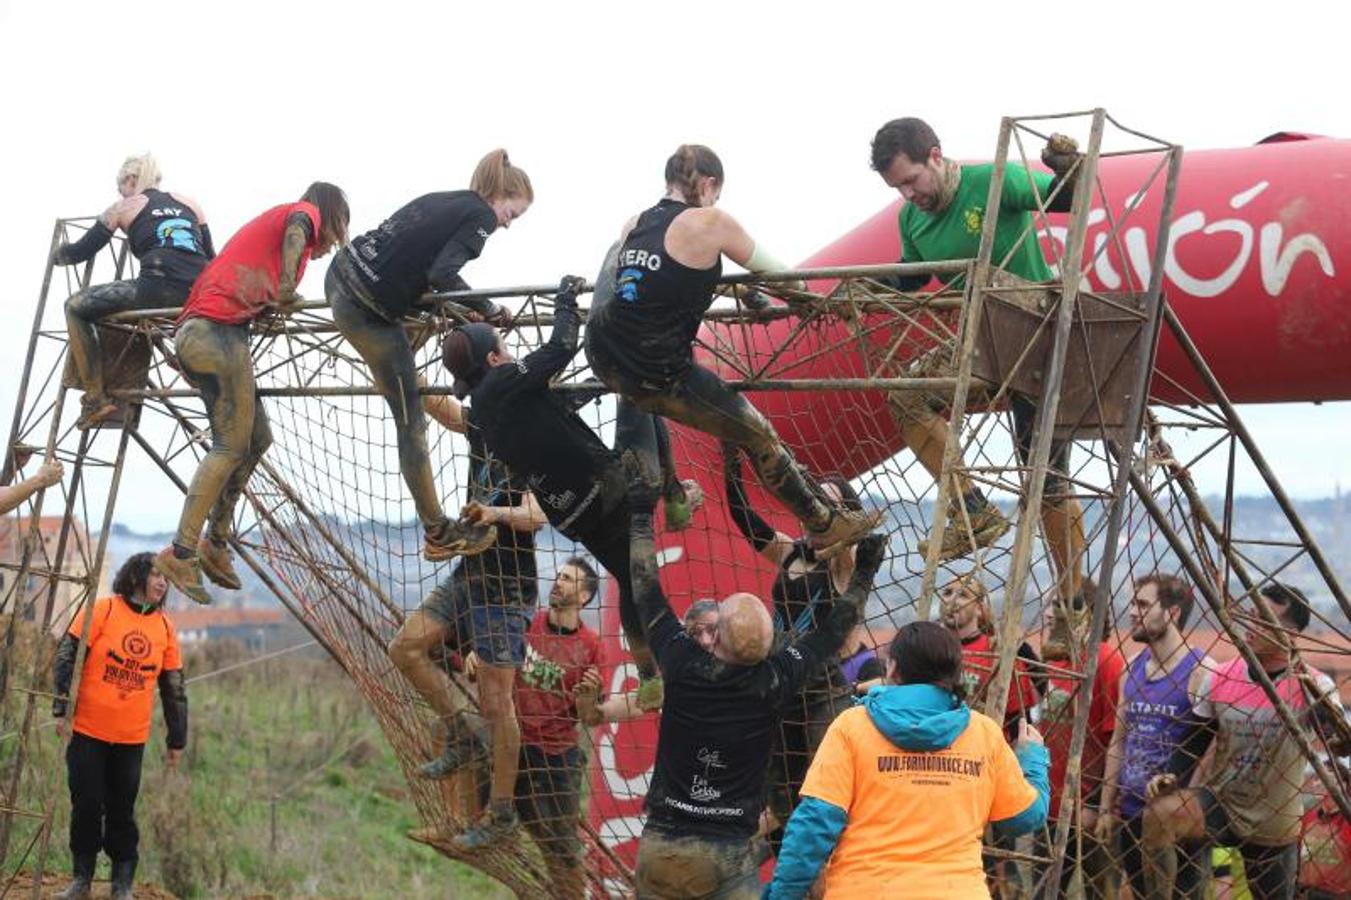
(650, 300)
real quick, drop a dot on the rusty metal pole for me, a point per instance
(1043, 432)
(978, 276)
(1124, 454)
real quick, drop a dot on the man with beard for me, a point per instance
(1154, 715)
(1250, 797)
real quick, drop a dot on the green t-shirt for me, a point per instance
(955, 232)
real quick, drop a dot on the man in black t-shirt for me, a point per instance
(722, 708)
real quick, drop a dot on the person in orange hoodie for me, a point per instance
(903, 786)
(133, 648)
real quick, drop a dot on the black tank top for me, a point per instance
(648, 323)
(167, 238)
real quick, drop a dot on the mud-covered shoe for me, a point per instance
(123, 874)
(184, 574)
(987, 526)
(845, 528)
(681, 504)
(218, 565)
(461, 750)
(430, 835)
(651, 693)
(95, 409)
(492, 828)
(451, 539)
(82, 871)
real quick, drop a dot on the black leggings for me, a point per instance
(609, 544)
(104, 780)
(702, 400)
(85, 308)
(385, 347)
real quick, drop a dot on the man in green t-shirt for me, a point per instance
(942, 219)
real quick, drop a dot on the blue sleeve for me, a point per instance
(1035, 761)
(810, 838)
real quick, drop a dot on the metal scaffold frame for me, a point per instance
(325, 578)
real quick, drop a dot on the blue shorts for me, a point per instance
(487, 615)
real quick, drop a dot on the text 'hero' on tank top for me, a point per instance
(167, 238)
(649, 325)
(1157, 715)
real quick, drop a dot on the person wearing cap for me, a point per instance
(579, 482)
(381, 279)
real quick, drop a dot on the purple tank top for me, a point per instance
(1157, 715)
(851, 666)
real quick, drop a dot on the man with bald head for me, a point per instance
(723, 705)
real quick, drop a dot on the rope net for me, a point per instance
(330, 518)
(862, 387)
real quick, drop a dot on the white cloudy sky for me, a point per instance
(246, 102)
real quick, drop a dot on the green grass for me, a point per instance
(290, 736)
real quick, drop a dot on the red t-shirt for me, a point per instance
(979, 659)
(1057, 721)
(554, 663)
(127, 652)
(236, 285)
(1324, 844)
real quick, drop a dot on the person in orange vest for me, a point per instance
(133, 648)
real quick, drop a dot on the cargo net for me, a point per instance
(333, 530)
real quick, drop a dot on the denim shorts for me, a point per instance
(487, 615)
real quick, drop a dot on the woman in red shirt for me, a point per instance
(257, 271)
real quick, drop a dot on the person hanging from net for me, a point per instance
(1066, 645)
(559, 686)
(804, 591)
(483, 607)
(903, 786)
(640, 335)
(381, 279)
(942, 219)
(579, 481)
(256, 273)
(1249, 797)
(132, 650)
(708, 784)
(169, 237)
(1154, 715)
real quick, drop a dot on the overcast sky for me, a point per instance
(245, 103)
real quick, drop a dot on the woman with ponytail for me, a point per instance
(867, 816)
(650, 300)
(169, 238)
(256, 273)
(380, 280)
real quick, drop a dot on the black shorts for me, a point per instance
(1269, 870)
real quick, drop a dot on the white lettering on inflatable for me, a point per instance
(1275, 259)
(1276, 262)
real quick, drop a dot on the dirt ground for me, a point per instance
(54, 883)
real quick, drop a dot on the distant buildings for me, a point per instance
(34, 596)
